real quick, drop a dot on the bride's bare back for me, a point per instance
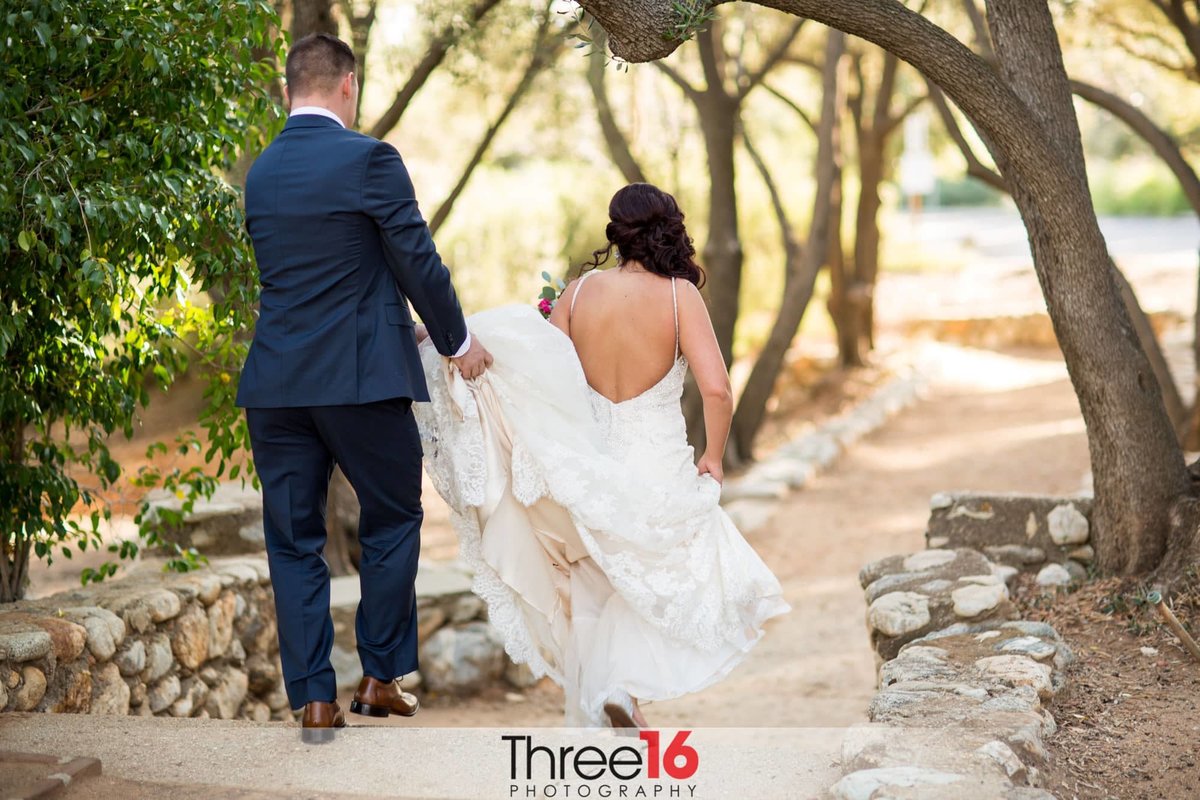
(623, 324)
(630, 324)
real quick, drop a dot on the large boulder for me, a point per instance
(463, 660)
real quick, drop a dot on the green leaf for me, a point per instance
(25, 240)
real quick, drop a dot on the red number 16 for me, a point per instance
(676, 751)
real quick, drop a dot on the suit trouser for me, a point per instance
(378, 447)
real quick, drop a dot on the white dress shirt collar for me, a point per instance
(319, 111)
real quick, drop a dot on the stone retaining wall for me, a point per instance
(204, 644)
(963, 687)
(1042, 534)
(200, 644)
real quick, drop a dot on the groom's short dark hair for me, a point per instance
(316, 63)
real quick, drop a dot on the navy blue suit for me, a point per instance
(330, 378)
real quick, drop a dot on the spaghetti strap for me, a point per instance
(575, 296)
(675, 304)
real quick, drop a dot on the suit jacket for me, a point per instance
(341, 249)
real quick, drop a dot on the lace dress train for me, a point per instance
(605, 561)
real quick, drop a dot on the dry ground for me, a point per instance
(1129, 726)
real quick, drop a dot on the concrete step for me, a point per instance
(162, 757)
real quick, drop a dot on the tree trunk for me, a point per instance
(845, 298)
(14, 547)
(718, 107)
(802, 272)
(872, 135)
(866, 235)
(1176, 410)
(723, 248)
(360, 39)
(313, 16)
(1136, 460)
(1186, 421)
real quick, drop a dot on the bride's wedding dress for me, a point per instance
(604, 558)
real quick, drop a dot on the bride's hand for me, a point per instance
(422, 333)
(712, 467)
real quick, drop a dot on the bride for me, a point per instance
(596, 539)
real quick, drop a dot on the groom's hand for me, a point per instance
(473, 362)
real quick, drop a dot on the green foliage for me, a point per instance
(965, 191)
(117, 120)
(691, 18)
(1136, 187)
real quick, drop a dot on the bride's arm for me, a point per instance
(699, 344)
(560, 317)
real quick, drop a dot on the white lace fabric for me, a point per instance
(605, 560)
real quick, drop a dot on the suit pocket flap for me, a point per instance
(397, 314)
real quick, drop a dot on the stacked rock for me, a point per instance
(963, 687)
(198, 644)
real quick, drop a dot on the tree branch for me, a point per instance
(909, 107)
(432, 59)
(802, 267)
(975, 168)
(666, 69)
(791, 247)
(708, 42)
(614, 138)
(546, 50)
(772, 60)
(801, 61)
(1159, 140)
(792, 105)
(983, 41)
(1190, 31)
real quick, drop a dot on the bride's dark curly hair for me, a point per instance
(646, 226)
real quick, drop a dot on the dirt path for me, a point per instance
(997, 422)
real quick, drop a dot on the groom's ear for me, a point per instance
(287, 99)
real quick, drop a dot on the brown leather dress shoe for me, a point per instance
(319, 721)
(376, 698)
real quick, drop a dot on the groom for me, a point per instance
(331, 376)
